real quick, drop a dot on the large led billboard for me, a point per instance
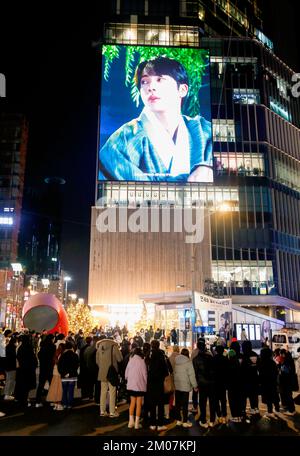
(155, 115)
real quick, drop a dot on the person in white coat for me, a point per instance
(185, 381)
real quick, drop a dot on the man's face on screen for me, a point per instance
(161, 93)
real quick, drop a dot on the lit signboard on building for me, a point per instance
(155, 117)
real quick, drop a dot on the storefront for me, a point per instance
(173, 310)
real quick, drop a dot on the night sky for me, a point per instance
(52, 72)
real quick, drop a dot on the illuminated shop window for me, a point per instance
(246, 96)
(152, 34)
(215, 198)
(280, 110)
(244, 277)
(223, 130)
(240, 164)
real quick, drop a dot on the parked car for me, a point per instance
(288, 339)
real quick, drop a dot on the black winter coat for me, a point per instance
(157, 372)
(204, 369)
(11, 357)
(221, 366)
(68, 363)
(26, 372)
(268, 379)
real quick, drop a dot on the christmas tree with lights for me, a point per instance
(80, 317)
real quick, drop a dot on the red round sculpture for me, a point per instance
(45, 311)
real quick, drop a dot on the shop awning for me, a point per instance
(165, 298)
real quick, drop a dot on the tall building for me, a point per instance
(40, 244)
(252, 208)
(13, 148)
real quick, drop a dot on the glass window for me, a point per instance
(223, 130)
(239, 164)
(166, 35)
(287, 175)
(244, 277)
(246, 96)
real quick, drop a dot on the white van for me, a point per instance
(287, 339)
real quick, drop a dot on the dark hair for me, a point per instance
(201, 345)
(247, 347)
(154, 344)
(12, 340)
(185, 352)
(265, 353)
(69, 345)
(146, 348)
(219, 349)
(159, 66)
(138, 351)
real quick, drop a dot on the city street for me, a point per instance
(84, 420)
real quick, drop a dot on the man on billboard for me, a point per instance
(225, 325)
(162, 144)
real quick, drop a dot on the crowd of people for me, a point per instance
(151, 373)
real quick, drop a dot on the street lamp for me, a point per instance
(66, 280)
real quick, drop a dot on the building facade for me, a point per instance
(13, 149)
(253, 204)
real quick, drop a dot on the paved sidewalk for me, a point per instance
(84, 420)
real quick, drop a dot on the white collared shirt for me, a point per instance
(175, 156)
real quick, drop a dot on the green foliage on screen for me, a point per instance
(194, 60)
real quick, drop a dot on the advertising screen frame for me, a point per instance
(179, 170)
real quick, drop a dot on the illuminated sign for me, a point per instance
(155, 120)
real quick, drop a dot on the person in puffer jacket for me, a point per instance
(185, 381)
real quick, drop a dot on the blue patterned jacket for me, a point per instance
(129, 155)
